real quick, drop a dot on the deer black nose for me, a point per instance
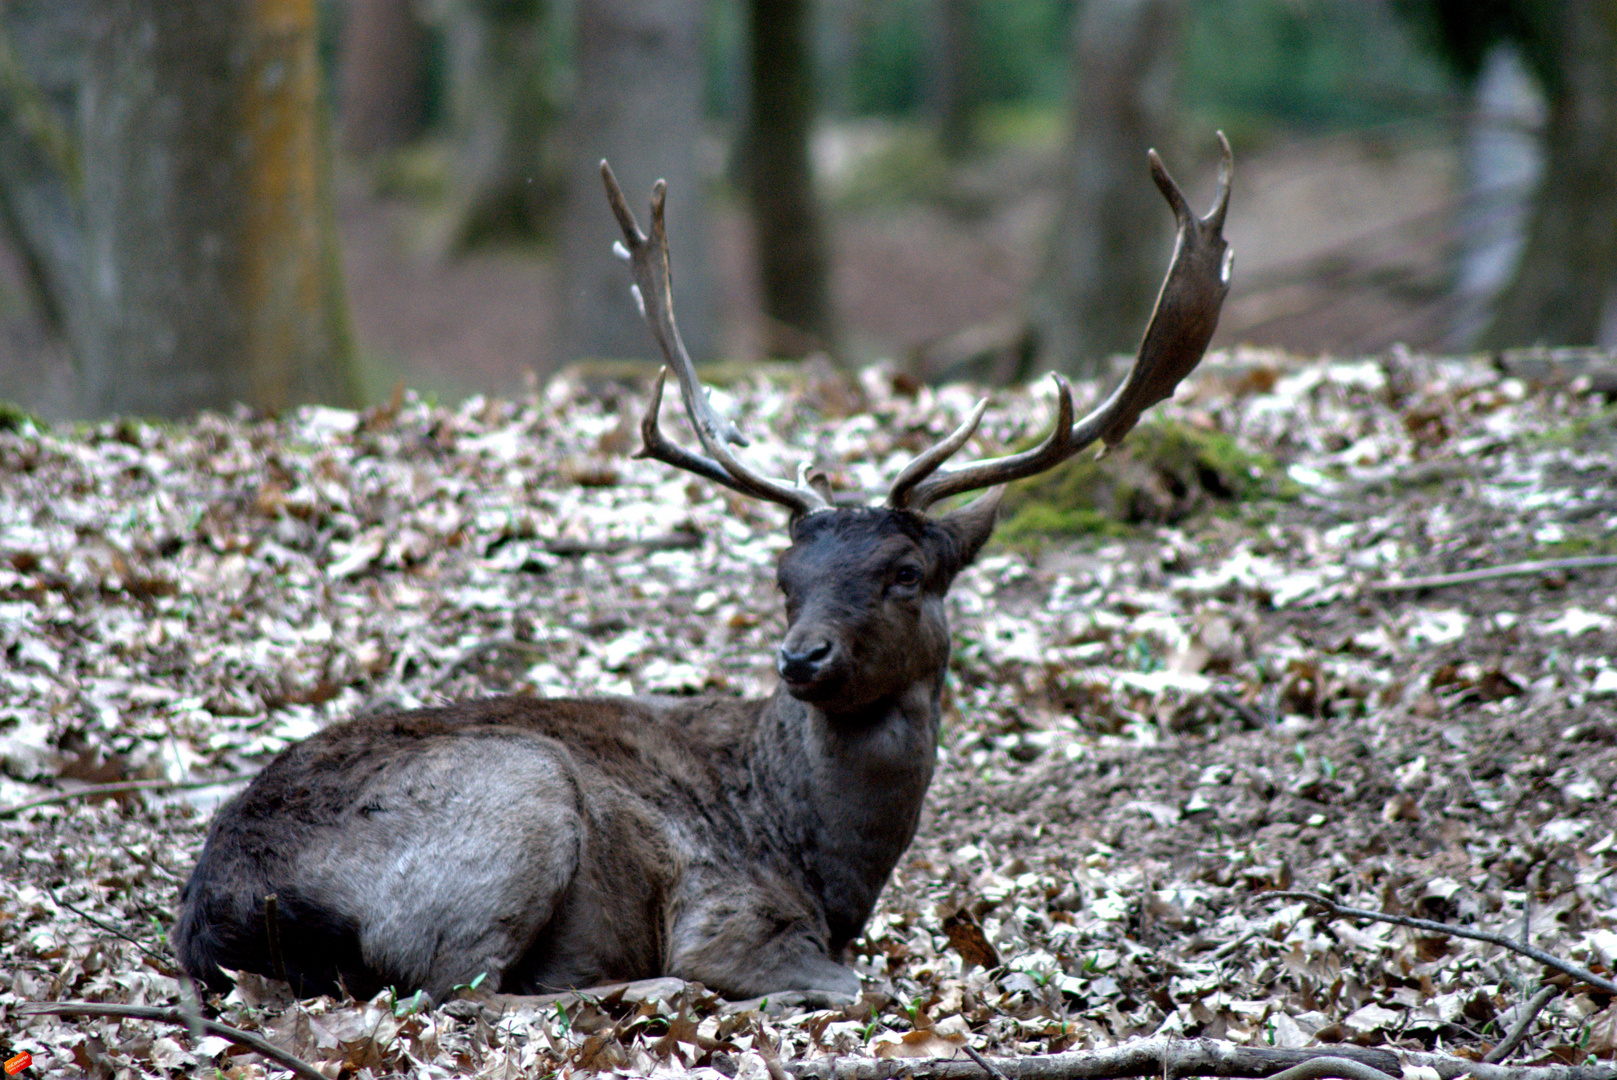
(802, 666)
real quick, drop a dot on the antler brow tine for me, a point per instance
(648, 262)
(1175, 339)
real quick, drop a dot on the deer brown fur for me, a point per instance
(559, 843)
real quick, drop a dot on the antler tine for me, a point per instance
(925, 465)
(1181, 325)
(653, 288)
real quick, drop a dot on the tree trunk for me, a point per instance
(956, 92)
(1100, 279)
(638, 105)
(211, 250)
(43, 54)
(1502, 154)
(502, 118)
(383, 95)
(792, 256)
(1565, 290)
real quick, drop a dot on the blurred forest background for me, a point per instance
(205, 202)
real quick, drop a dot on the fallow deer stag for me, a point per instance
(552, 844)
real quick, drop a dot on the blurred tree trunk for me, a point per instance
(1502, 154)
(502, 117)
(42, 58)
(210, 245)
(1565, 289)
(956, 91)
(382, 101)
(638, 104)
(1109, 247)
(792, 258)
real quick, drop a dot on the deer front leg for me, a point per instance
(763, 937)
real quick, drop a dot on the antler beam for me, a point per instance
(653, 289)
(1182, 324)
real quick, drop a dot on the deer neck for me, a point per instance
(850, 789)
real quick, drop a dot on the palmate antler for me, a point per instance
(1181, 325)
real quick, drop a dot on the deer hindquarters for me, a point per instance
(441, 864)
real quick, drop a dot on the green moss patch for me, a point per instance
(1164, 472)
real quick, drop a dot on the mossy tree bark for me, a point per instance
(42, 60)
(209, 237)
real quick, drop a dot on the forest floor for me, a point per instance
(1147, 739)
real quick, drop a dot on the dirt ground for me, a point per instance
(1147, 741)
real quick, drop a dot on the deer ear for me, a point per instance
(969, 527)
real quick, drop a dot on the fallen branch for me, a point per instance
(679, 540)
(1490, 573)
(122, 787)
(1331, 1068)
(1547, 959)
(260, 1046)
(1518, 1031)
(1175, 1058)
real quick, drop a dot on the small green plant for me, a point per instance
(411, 1005)
(475, 984)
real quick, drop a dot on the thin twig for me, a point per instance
(678, 540)
(1256, 720)
(177, 1017)
(1547, 959)
(1490, 573)
(983, 1063)
(1518, 1030)
(122, 787)
(272, 935)
(1230, 948)
(109, 928)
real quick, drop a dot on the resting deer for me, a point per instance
(554, 844)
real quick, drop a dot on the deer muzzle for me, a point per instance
(802, 663)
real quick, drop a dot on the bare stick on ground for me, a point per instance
(1547, 959)
(1518, 1031)
(122, 787)
(267, 1050)
(1192, 1057)
(1492, 573)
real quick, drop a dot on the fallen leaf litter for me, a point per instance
(1143, 737)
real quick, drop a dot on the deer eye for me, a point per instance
(907, 575)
